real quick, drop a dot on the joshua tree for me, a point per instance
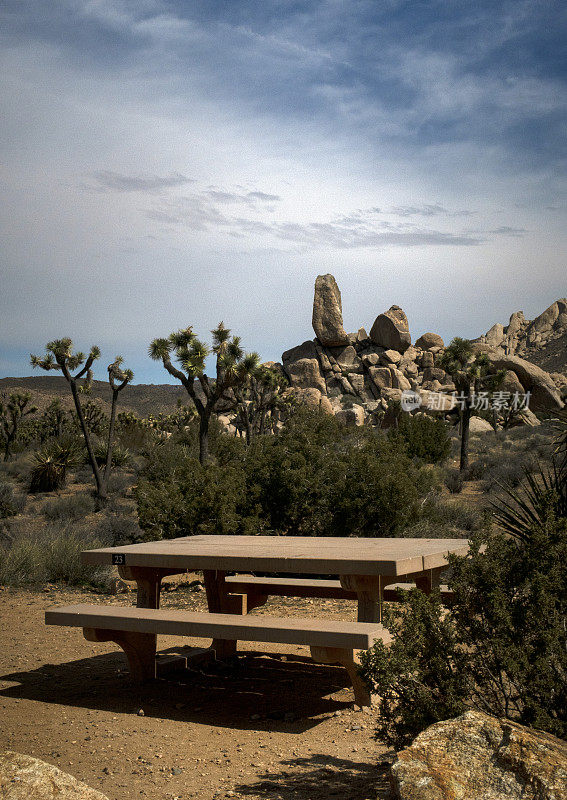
(233, 368)
(12, 413)
(262, 394)
(471, 373)
(59, 356)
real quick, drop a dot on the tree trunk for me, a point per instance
(110, 443)
(465, 427)
(204, 438)
(100, 489)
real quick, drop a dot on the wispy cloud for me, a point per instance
(106, 180)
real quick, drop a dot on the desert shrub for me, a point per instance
(51, 555)
(454, 481)
(120, 455)
(119, 529)
(65, 509)
(425, 437)
(121, 482)
(315, 477)
(475, 471)
(501, 648)
(443, 518)
(203, 499)
(11, 503)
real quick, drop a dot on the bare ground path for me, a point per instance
(276, 726)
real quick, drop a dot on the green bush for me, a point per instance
(425, 437)
(53, 555)
(501, 648)
(316, 477)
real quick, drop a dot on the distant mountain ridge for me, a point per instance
(141, 399)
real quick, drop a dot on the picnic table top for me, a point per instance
(310, 554)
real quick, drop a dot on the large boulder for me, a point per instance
(477, 757)
(480, 425)
(429, 340)
(544, 395)
(328, 312)
(353, 417)
(391, 330)
(26, 778)
(301, 366)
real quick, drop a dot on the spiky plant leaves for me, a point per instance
(529, 505)
(159, 349)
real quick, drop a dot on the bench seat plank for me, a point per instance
(309, 587)
(290, 630)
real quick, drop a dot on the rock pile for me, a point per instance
(522, 337)
(356, 375)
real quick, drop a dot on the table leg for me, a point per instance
(429, 580)
(148, 581)
(369, 590)
(219, 603)
(140, 648)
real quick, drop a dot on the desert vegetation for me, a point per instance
(94, 476)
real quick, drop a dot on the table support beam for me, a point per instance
(219, 602)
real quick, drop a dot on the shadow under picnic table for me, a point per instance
(258, 691)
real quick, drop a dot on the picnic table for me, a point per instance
(365, 568)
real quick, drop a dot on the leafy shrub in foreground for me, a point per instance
(502, 647)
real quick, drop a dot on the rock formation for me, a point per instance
(26, 778)
(339, 371)
(523, 337)
(328, 312)
(477, 757)
(391, 330)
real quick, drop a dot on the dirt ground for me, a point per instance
(274, 725)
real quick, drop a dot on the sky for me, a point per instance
(166, 164)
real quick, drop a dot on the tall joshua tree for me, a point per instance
(12, 413)
(59, 356)
(233, 368)
(471, 373)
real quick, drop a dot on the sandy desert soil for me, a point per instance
(273, 726)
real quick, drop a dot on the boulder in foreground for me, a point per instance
(477, 757)
(26, 778)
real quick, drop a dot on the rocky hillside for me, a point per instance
(542, 340)
(356, 375)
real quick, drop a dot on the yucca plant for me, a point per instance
(49, 472)
(530, 504)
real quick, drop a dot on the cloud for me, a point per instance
(115, 182)
(507, 230)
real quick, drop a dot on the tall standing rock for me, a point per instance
(328, 312)
(391, 330)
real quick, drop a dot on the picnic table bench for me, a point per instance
(365, 566)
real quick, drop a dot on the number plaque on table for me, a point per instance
(119, 559)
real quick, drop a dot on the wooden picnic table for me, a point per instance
(365, 566)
